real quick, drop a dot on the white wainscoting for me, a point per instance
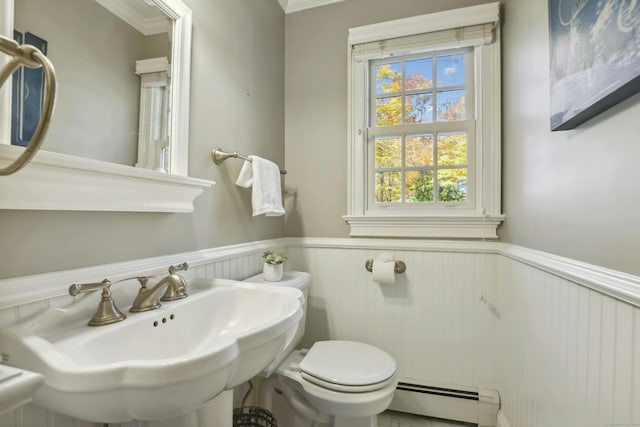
(569, 355)
(431, 320)
(559, 339)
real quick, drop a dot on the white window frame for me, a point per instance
(479, 219)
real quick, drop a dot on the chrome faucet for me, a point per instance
(107, 312)
(147, 299)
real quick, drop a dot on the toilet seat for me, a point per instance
(330, 397)
(347, 366)
(346, 388)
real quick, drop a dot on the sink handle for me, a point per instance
(107, 311)
(180, 267)
(143, 280)
(82, 288)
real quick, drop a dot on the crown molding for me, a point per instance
(147, 26)
(290, 6)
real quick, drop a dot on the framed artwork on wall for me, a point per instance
(28, 94)
(594, 57)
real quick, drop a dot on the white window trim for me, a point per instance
(480, 222)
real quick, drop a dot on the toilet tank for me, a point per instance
(299, 280)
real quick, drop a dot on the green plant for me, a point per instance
(271, 257)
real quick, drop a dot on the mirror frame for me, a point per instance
(55, 181)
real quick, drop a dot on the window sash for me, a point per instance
(467, 126)
(434, 128)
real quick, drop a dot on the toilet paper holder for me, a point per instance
(400, 267)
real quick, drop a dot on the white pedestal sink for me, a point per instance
(157, 364)
(17, 387)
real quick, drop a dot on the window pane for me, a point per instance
(450, 70)
(389, 78)
(419, 150)
(389, 111)
(452, 185)
(388, 187)
(419, 186)
(451, 105)
(452, 149)
(419, 74)
(419, 108)
(388, 152)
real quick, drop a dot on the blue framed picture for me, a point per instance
(594, 57)
(27, 94)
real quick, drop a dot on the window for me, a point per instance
(421, 128)
(424, 158)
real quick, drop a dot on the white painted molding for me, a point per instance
(622, 286)
(290, 6)
(455, 18)
(39, 287)
(430, 245)
(145, 25)
(54, 181)
(153, 65)
(470, 227)
(6, 29)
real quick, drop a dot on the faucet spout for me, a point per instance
(176, 288)
(147, 299)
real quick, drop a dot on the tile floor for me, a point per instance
(399, 419)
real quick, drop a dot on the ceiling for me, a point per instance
(290, 6)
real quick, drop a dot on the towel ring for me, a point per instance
(31, 57)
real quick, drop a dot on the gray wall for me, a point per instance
(236, 102)
(572, 193)
(316, 106)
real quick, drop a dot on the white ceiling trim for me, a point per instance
(290, 6)
(147, 26)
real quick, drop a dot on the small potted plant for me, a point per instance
(273, 268)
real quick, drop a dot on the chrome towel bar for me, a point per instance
(220, 156)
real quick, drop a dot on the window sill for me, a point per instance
(456, 227)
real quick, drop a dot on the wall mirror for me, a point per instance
(108, 54)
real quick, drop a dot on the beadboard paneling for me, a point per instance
(569, 354)
(559, 339)
(431, 320)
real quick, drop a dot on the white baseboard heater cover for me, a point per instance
(477, 407)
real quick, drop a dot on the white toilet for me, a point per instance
(334, 383)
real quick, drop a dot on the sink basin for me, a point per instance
(156, 364)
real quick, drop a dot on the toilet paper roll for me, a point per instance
(384, 271)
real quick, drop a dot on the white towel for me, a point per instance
(264, 176)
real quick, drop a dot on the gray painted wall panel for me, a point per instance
(572, 193)
(316, 106)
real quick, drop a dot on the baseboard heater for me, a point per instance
(475, 406)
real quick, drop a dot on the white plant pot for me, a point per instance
(273, 272)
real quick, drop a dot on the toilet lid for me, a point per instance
(348, 363)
